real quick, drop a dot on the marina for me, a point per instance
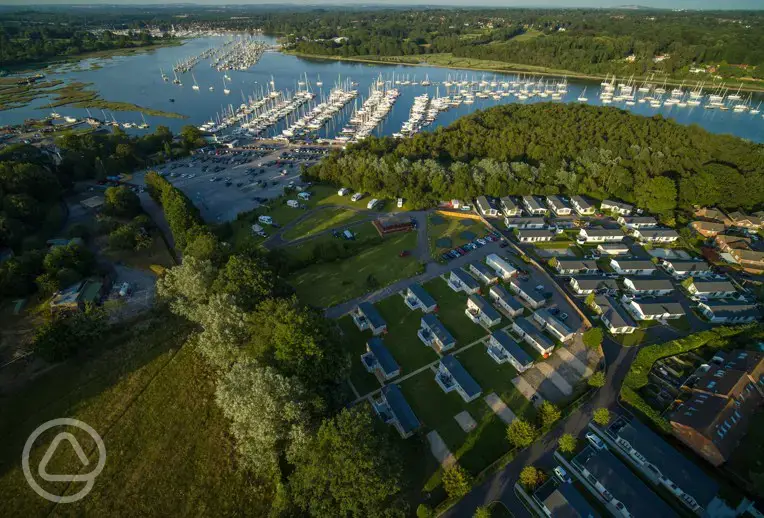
(225, 85)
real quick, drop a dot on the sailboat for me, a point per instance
(582, 98)
(145, 124)
(176, 81)
(196, 85)
(756, 110)
(164, 76)
(53, 114)
(318, 81)
(212, 88)
(225, 89)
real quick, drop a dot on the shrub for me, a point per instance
(593, 337)
(567, 443)
(601, 416)
(597, 379)
(456, 481)
(531, 478)
(548, 414)
(521, 433)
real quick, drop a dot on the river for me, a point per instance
(136, 79)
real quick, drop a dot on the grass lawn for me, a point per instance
(168, 447)
(354, 341)
(323, 220)
(493, 377)
(632, 339)
(328, 284)
(157, 253)
(451, 306)
(401, 338)
(444, 233)
(681, 324)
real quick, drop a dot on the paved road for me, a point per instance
(500, 485)
(433, 270)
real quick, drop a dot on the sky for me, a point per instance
(665, 4)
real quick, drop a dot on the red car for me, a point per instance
(404, 253)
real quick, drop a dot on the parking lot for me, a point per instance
(223, 183)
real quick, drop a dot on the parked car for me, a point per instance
(595, 441)
(562, 474)
(404, 253)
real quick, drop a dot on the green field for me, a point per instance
(444, 233)
(328, 284)
(323, 220)
(152, 401)
(451, 306)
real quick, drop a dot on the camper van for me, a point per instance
(343, 192)
(265, 220)
(304, 195)
(293, 203)
(400, 203)
(372, 204)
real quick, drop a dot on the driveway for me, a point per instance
(500, 486)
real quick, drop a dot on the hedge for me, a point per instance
(181, 214)
(637, 378)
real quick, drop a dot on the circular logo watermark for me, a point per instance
(88, 478)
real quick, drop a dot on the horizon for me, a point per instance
(670, 5)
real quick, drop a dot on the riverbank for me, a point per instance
(74, 94)
(59, 61)
(484, 65)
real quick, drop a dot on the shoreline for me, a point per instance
(509, 68)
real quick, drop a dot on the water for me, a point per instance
(136, 79)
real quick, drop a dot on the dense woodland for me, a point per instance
(32, 184)
(552, 148)
(579, 40)
(20, 45)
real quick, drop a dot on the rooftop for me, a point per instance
(659, 306)
(633, 264)
(504, 295)
(485, 308)
(383, 356)
(421, 294)
(687, 265)
(614, 312)
(438, 329)
(483, 269)
(564, 500)
(622, 483)
(581, 202)
(576, 264)
(532, 202)
(371, 314)
(595, 282)
(512, 347)
(711, 286)
(400, 407)
(602, 232)
(465, 278)
(530, 328)
(672, 464)
(642, 284)
(731, 308)
(460, 375)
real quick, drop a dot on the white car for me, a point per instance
(562, 474)
(400, 202)
(595, 441)
(357, 196)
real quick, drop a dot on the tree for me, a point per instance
(597, 379)
(424, 511)
(482, 512)
(592, 337)
(191, 137)
(266, 411)
(531, 477)
(590, 300)
(348, 469)
(602, 416)
(456, 481)
(299, 341)
(67, 335)
(121, 201)
(553, 262)
(548, 414)
(521, 433)
(248, 280)
(567, 443)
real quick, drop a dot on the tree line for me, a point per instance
(549, 148)
(280, 369)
